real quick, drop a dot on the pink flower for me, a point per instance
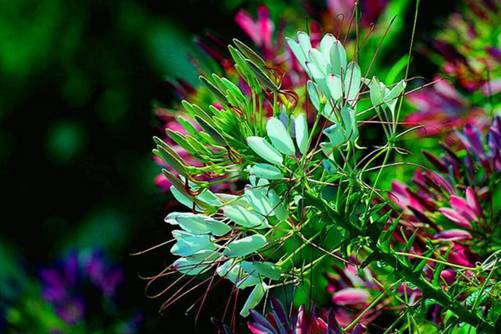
(260, 30)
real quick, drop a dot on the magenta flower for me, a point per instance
(371, 10)
(350, 289)
(259, 30)
(299, 321)
(441, 108)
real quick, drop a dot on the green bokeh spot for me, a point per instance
(65, 141)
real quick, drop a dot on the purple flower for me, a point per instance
(66, 285)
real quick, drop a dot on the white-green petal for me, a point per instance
(258, 199)
(197, 263)
(314, 94)
(279, 209)
(197, 223)
(338, 58)
(181, 198)
(188, 244)
(301, 129)
(279, 136)
(209, 197)
(254, 299)
(245, 246)
(336, 135)
(352, 80)
(316, 57)
(297, 51)
(304, 41)
(232, 270)
(243, 217)
(376, 92)
(391, 97)
(335, 87)
(264, 150)
(326, 44)
(267, 171)
(264, 269)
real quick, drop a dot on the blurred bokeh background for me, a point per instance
(79, 80)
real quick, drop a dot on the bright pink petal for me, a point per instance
(455, 217)
(461, 205)
(265, 25)
(453, 235)
(448, 275)
(471, 198)
(243, 19)
(351, 296)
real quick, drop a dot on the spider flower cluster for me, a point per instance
(255, 236)
(308, 190)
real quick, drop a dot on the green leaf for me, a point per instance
(169, 156)
(264, 76)
(209, 198)
(264, 150)
(243, 217)
(253, 300)
(266, 171)
(301, 129)
(336, 135)
(210, 130)
(245, 246)
(349, 123)
(250, 54)
(218, 94)
(181, 198)
(279, 136)
(279, 209)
